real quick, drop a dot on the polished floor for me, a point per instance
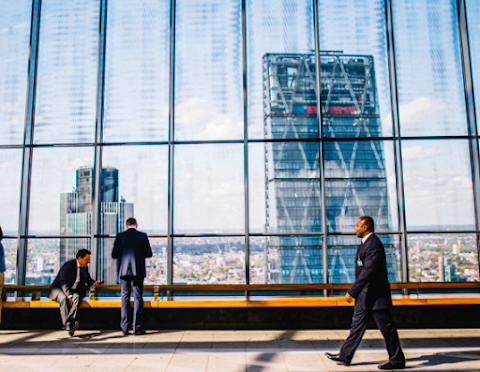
(223, 351)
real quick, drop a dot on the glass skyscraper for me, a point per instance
(349, 109)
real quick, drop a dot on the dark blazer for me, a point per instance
(371, 288)
(131, 247)
(66, 279)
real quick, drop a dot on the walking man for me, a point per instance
(371, 290)
(68, 288)
(130, 249)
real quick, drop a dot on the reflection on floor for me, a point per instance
(223, 351)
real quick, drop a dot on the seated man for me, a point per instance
(68, 288)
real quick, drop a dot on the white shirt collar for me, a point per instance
(364, 239)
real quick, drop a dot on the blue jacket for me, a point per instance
(2, 259)
(371, 288)
(131, 247)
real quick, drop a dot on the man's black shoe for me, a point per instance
(392, 364)
(336, 358)
(72, 327)
(126, 333)
(139, 332)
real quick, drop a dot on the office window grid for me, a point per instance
(334, 142)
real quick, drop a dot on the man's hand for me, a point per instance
(98, 284)
(348, 298)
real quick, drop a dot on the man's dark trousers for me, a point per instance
(126, 283)
(383, 319)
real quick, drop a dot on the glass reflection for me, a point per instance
(10, 177)
(137, 69)
(215, 260)
(66, 97)
(208, 70)
(279, 27)
(438, 185)
(431, 94)
(61, 192)
(442, 257)
(360, 180)
(341, 258)
(209, 189)
(43, 259)
(135, 183)
(473, 23)
(286, 260)
(10, 255)
(15, 19)
(355, 79)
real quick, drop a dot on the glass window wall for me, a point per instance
(15, 20)
(219, 127)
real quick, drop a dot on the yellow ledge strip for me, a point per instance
(261, 303)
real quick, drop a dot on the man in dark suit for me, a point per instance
(131, 248)
(371, 290)
(68, 288)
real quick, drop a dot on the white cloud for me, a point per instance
(193, 115)
(417, 111)
(415, 153)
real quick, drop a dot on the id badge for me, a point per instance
(359, 263)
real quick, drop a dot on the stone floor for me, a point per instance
(223, 351)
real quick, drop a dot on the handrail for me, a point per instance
(258, 287)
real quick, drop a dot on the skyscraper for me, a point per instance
(355, 176)
(76, 217)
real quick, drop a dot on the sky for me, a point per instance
(208, 83)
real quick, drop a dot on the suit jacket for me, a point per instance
(66, 279)
(371, 288)
(131, 247)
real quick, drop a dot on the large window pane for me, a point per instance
(156, 265)
(284, 187)
(286, 260)
(360, 180)
(43, 258)
(67, 71)
(10, 251)
(15, 19)
(61, 192)
(137, 71)
(473, 22)
(209, 189)
(135, 183)
(208, 70)
(209, 260)
(438, 185)
(429, 72)
(342, 261)
(10, 178)
(355, 80)
(442, 257)
(281, 88)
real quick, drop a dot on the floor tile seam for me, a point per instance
(86, 367)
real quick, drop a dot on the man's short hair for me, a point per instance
(82, 253)
(132, 222)
(368, 221)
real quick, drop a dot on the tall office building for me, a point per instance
(355, 176)
(76, 217)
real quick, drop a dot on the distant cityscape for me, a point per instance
(432, 258)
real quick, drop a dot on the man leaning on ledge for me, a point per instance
(371, 291)
(68, 288)
(131, 247)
